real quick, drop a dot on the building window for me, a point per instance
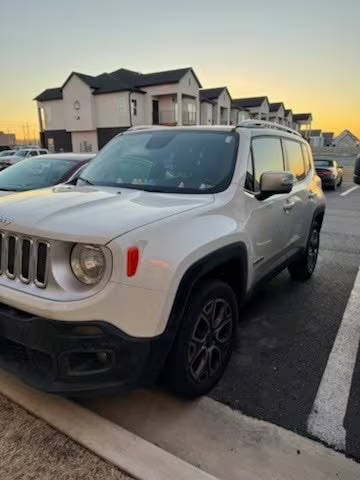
(134, 107)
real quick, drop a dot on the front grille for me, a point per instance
(24, 258)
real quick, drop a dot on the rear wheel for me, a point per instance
(304, 267)
(203, 346)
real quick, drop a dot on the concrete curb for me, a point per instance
(133, 455)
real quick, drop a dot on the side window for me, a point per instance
(295, 161)
(33, 153)
(268, 156)
(306, 158)
(43, 152)
(249, 181)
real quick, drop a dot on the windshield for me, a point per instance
(324, 163)
(21, 153)
(34, 173)
(177, 161)
(7, 153)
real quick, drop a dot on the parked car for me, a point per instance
(42, 171)
(142, 267)
(357, 170)
(330, 172)
(21, 154)
(7, 153)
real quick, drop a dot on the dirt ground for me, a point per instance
(32, 450)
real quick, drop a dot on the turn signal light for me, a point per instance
(132, 261)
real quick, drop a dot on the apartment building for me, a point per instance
(258, 107)
(215, 104)
(303, 122)
(7, 140)
(87, 111)
(277, 112)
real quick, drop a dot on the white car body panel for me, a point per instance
(172, 231)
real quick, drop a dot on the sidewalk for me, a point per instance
(32, 450)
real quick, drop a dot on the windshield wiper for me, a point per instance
(85, 180)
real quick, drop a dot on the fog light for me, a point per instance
(89, 363)
(103, 357)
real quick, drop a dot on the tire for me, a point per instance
(333, 187)
(204, 343)
(304, 267)
(340, 183)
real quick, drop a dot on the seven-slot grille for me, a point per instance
(24, 258)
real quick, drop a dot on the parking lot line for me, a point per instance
(328, 412)
(349, 191)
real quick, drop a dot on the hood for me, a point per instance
(89, 214)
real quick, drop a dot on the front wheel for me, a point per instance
(204, 343)
(304, 267)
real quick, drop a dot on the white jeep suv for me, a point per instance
(142, 264)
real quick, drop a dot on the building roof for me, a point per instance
(119, 80)
(275, 107)
(288, 111)
(299, 117)
(249, 102)
(50, 94)
(169, 76)
(314, 133)
(207, 94)
(347, 133)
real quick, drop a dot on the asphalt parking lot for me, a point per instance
(285, 369)
(288, 331)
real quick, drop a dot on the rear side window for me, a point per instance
(267, 155)
(306, 159)
(294, 158)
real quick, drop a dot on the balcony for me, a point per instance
(167, 117)
(188, 118)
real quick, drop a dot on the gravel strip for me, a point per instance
(32, 450)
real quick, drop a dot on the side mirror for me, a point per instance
(273, 183)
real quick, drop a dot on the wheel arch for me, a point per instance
(229, 263)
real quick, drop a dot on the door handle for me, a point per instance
(288, 206)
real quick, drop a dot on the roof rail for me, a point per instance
(146, 127)
(266, 124)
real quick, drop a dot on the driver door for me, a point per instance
(269, 220)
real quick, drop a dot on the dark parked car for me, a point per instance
(357, 170)
(42, 171)
(330, 172)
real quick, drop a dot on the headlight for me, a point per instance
(88, 263)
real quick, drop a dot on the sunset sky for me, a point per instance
(304, 53)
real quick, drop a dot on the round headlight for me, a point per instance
(88, 263)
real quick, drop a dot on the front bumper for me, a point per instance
(77, 357)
